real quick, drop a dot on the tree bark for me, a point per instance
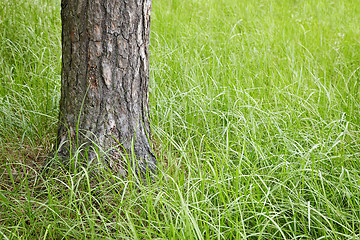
(104, 81)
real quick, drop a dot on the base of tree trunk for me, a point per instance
(104, 84)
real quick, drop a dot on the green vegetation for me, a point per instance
(255, 113)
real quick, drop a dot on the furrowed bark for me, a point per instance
(105, 79)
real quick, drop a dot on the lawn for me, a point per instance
(255, 108)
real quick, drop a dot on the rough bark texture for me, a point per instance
(105, 75)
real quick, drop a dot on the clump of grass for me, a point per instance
(255, 111)
(29, 75)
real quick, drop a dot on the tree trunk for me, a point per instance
(104, 81)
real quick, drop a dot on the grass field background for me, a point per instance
(255, 116)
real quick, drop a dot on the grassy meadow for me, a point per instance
(255, 108)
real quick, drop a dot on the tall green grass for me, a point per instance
(255, 115)
(30, 50)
